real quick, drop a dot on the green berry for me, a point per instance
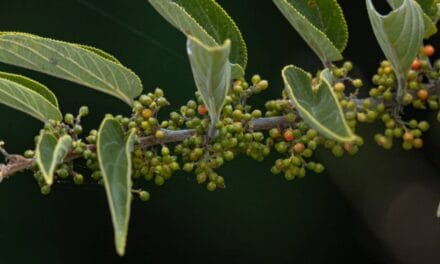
(78, 179)
(83, 111)
(69, 119)
(262, 85)
(424, 126)
(29, 154)
(144, 196)
(159, 180)
(319, 168)
(45, 189)
(165, 151)
(211, 186)
(256, 79)
(63, 173)
(159, 134)
(77, 129)
(228, 155)
(357, 83)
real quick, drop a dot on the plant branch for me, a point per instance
(17, 163)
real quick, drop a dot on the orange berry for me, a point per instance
(423, 94)
(415, 65)
(348, 147)
(388, 70)
(202, 110)
(288, 135)
(428, 50)
(147, 113)
(418, 143)
(408, 136)
(299, 148)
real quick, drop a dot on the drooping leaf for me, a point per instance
(114, 155)
(400, 35)
(429, 22)
(317, 105)
(212, 73)
(321, 24)
(207, 21)
(50, 153)
(28, 96)
(72, 62)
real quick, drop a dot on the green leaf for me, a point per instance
(33, 85)
(429, 22)
(207, 21)
(86, 66)
(317, 105)
(212, 74)
(28, 96)
(430, 7)
(101, 53)
(114, 155)
(400, 35)
(50, 153)
(320, 23)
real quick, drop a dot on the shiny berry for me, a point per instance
(428, 50)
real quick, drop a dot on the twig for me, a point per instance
(17, 163)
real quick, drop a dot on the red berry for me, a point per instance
(202, 110)
(415, 65)
(288, 135)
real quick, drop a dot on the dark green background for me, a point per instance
(376, 207)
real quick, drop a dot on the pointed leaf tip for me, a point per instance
(114, 155)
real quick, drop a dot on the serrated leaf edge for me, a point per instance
(340, 57)
(125, 98)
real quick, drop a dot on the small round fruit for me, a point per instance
(83, 111)
(147, 113)
(428, 50)
(159, 134)
(418, 143)
(299, 148)
(202, 110)
(423, 94)
(78, 179)
(288, 135)
(45, 190)
(211, 186)
(408, 136)
(415, 65)
(144, 196)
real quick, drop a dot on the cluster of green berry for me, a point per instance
(383, 104)
(72, 127)
(236, 132)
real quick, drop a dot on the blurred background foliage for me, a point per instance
(376, 207)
